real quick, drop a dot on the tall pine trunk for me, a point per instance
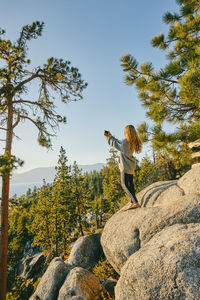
(4, 236)
(4, 207)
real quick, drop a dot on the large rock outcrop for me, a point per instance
(136, 242)
(86, 252)
(149, 195)
(127, 231)
(167, 267)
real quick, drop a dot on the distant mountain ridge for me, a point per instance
(48, 173)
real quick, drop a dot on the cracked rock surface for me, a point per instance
(165, 268)
(155, 248)
(127, 231)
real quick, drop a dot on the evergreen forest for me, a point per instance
(52, 217)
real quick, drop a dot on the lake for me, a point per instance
(21, 188)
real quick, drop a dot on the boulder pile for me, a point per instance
(73, 279)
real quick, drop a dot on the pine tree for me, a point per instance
(55, 76)
(112, 189)
(63, 209)
(173, 147)
(81, 198)
(95, 186)
(148, 171)
(172, 93)
(19, 234)
(100, 207)
(94, 183)
(42, 223)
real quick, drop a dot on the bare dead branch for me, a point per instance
(17, 122)
(17, 137)
(36, 124)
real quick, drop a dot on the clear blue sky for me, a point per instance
(93, 35)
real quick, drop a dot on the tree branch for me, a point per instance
(27, 101)
(17, 122)
(159, 78)
(36, 75)
(35, 123)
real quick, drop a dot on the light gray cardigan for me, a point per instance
(127, 162)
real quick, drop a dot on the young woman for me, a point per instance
(127, 162)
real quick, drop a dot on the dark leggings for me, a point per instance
(127, 185)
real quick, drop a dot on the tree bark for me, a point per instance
(4, 207)
(4, 236)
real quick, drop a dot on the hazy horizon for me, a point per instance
(28, 170)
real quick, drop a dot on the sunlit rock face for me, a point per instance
(136, 242)
(72, 279)
(86, 252)
(52, 280)
(167, 267)
(81, 283)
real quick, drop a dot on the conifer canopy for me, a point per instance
(173, 92)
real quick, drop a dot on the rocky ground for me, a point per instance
(155, 249)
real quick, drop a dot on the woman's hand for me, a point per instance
(107, 133)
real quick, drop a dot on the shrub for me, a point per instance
(104, 270)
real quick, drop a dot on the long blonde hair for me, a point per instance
(133, 139)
